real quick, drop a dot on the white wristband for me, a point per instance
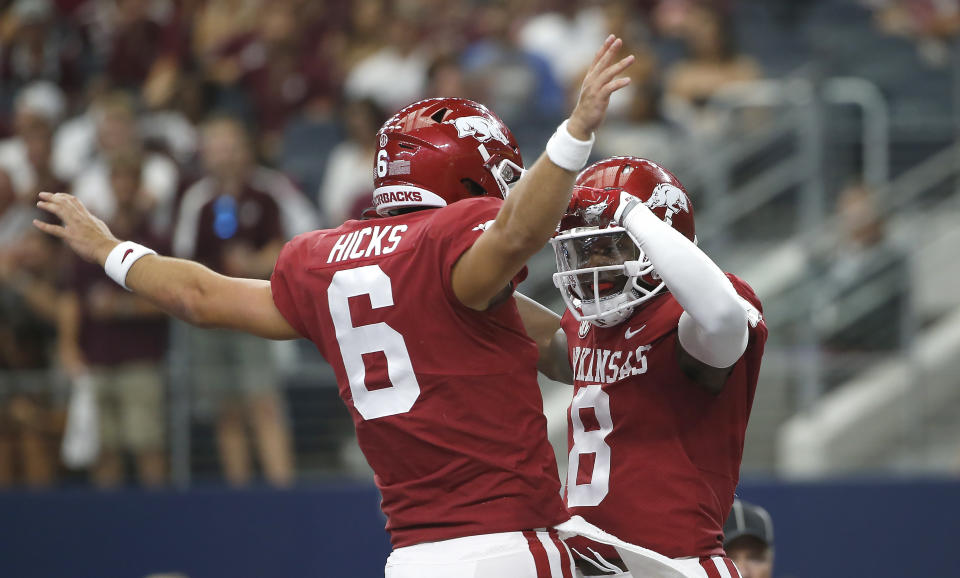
(121, 258)
(567, 152)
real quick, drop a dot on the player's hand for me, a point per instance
(599, 207)
(601, 81)
(87, 235)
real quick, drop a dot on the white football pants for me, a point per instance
(528, 554)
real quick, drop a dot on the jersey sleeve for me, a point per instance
(283, 285)
(752, 305)
(458, 229)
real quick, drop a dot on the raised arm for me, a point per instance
(712, 331)
(535, 205)
(543, 326)
(184, 289)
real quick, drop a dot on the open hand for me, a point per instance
(600, 82)
(87, 235)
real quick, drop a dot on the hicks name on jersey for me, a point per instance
(606, 366)
(366, 242)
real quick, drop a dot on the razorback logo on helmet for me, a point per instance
(478, 127)
(593, 213)
(670, 197)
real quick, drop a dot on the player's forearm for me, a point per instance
(531, 212)
(179, 287)
(700, 287)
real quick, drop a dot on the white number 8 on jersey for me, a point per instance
(587, 443)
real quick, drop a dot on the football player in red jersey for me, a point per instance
(663, 350)
(414, 312)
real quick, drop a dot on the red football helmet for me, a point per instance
(442, 150)
(602, 272)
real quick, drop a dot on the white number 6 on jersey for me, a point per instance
(356, 341)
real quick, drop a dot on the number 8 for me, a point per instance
(590, 442)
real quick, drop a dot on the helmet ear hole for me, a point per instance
(473, 187)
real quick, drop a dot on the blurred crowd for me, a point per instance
(218, 129)
(930, 23)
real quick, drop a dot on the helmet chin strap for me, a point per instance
(610, 311)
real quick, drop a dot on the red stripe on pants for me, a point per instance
(565, 562)
(710, 567)
(732, 567)
(539, 554)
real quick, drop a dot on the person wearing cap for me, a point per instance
(748, 539)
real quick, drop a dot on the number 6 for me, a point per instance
(356, 341)
(382, 163)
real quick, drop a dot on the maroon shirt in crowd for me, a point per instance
(218, 222)
(110, 342)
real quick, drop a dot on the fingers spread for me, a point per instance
(51, 207)
(55, 230)
(603, 49)
(616, 68)
(615, 85)
(607, 55)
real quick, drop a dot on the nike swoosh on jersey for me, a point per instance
(628, 334)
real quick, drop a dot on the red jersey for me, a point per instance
(654, 457)
(444, 399)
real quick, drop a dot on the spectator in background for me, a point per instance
(216, 22)
(119, 339)
(621, 19)
(712, 63)
(347, 183)
(445, 78)
(645, 131)
(517, 83)
(364, 32)
(566, 36)
(395, 74)
(278, 67)
(231, 222)
(136, 41)
(748, 540)
(34, 46)
(27, 155)
(863, 301)
(115, 120)
(15, 217)
(638, 124)
(931, 23)
(29, 425)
